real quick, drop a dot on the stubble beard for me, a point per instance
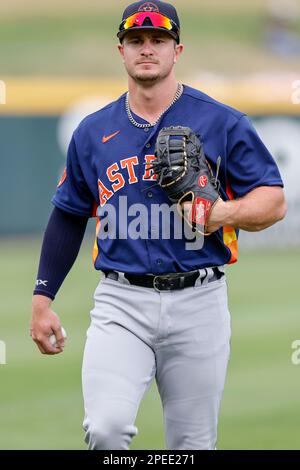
(148, 79)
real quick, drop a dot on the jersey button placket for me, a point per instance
(153, 235)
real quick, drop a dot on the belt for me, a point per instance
(167, 282)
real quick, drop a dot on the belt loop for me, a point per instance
(201, 276)
(206, 277)
(122, 278)
(113, 275)
(221, 271)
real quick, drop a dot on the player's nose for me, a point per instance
(147, 48)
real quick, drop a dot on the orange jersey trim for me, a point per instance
(95, 248)
(230, 236)
(63, 178)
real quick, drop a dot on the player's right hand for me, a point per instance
(44, 323)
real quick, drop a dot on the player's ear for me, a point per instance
(120, 47)
(178, 51)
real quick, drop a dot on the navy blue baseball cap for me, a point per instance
(150, 15)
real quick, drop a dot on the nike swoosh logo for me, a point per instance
(106, 139)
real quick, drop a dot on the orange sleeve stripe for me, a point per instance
(95, 207)
(229, 234)
(233, 247)
(228, 229)
(229, 192)
(95, 248)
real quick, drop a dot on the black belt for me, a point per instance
(166, 282)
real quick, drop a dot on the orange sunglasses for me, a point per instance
(157, 20)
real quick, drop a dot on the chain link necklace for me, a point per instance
(178, 94)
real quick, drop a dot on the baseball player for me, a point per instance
(160, 309)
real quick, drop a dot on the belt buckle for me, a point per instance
(156, 278)
(167, 277)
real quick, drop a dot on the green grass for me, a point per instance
(220, 37)
(40, 396)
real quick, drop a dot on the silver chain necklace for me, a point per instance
(178, 94)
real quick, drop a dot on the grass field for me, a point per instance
(73, 39)
(40, 396)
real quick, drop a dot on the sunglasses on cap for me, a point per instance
(157, 20)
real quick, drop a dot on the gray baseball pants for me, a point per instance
(182, 338)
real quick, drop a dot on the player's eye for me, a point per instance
(134, 41)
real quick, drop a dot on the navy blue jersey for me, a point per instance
(108, 167)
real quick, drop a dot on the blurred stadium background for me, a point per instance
(58, 63)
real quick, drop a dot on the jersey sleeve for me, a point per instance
(249, 163)
(73, 194)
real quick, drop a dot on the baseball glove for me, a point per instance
(183, 171)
